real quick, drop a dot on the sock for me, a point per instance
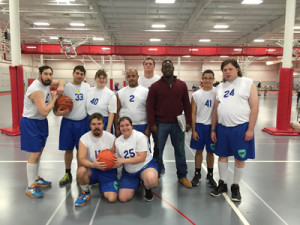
(197, 171)
(210, 172)
(68, 171)
(38, 166)
(32, 170)
(237, 176)
(85, 188)
(223, 168)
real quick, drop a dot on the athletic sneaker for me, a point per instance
(196, 179)
(210, 181)
(34, 191)
(66, 179)
(82, 198)
(185, 182)
(40, 182)
(235, 193)
(163, 170)
(148, 195)
(217, 191)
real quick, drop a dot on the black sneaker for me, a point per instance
(222, 187)
(148, 195)
(210, 181)
(196, 179)
(235, 193)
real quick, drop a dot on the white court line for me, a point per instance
(232, 205)
(94, 213)
(60, 204)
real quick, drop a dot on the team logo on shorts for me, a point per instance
(212, 146)
(242, 153)
(116, 185)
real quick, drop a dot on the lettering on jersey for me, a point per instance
(94, 101)
(47, 98)
(208, 103)
(131, 98)
(129, 153)
(228, 92)
(78, 97)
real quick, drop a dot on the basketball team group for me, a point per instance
(221, 119)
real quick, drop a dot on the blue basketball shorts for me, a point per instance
(140, 128)
(230, 141)
(34, 134)
(107, 179)
(203, 132)
(132, 180)
(71, 132)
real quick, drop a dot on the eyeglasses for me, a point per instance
(207, 78)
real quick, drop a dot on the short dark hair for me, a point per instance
(80, 68)
(149, 58)
(101, 72)
(234, 63)
(42, 68)
(96, 116)
(124, 118)
(167, 60)
(208, 71)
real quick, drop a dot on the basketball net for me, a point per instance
(5, 50)
(69, 49)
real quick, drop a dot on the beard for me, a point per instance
(46, 82)
(96, 132)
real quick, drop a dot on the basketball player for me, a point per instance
(167, 99)
(75, 123)
(202, 106)
(101, 99)
(90, 170)
(146, 81)
(34, 125)
(236, 111)
(131, 102)
(133, 152)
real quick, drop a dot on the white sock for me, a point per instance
(85, 188)
(32, 170)
(38, 166)
(237, 176)
(223, 168)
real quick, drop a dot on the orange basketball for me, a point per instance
(106, 156)
(63, 102)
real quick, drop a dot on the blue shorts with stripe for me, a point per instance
(71, 132)
(203, 132)
(34, 134)
(230, 141)
(132, 180)
(107, 179)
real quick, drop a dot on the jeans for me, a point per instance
(177, 140)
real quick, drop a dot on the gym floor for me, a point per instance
(268, 187)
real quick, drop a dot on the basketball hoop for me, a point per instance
(5, 51)
(69, 49)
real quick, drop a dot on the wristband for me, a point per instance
(212, 130)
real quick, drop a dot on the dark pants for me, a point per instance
(177, 140)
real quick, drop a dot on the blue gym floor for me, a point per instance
(268, 188)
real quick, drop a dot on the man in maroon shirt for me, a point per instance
(167, 98)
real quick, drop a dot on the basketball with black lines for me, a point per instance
(63, 102)
(106, 156)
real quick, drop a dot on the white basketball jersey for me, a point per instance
(30, 110)
(78, 94)
(128, 148)
(147, 82)
(103, 101)
(97, 144)
(133, 104)
(234, 108)
(205, 102)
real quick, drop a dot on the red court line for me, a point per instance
(4, 93)
(165, 201)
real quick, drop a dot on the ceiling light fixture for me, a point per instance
(53, 37)
(77, 24)
(158, 26)
(296, 27)
(204, 40)
(165, 1)
(186, 56)
(259, 40)
(154, 40)
(252, 2)
(269, 63)
(221, 26)
(98, 38)
(41, 23)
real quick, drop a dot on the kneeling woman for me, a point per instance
(133, 152)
